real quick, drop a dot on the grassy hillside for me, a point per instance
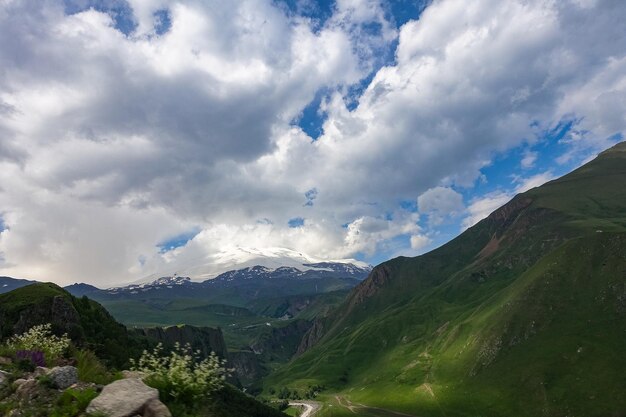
(85, 321)
(522, 315)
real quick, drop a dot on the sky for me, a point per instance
(143, 137)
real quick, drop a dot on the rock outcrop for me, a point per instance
(311, 337)
(63, 376)
(246, 367)
(204, 339)
(126, 398)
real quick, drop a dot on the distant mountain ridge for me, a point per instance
(241, 257)
(9, 284)
(237, 277)
(255, 275)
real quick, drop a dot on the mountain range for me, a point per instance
(240, 257)
(523, 314)
(308, 278)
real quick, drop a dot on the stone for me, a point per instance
(133, 374)
(19, 382)
(27, 390)
(4, 377)
(63, 377)
(40, 370)
(155, 408)
(123, 398)
(5, 361)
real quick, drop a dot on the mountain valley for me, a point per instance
(522, 314)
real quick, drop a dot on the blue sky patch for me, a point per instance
(409, 205)
(405, 10)
(312, 120)
(162, 21)
(310, 196)
(296, 222)
(177, 241)
(119, 10)
(319, 11)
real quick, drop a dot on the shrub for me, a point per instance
(181, 377)
(90, 369)
(40, 339)
(73, 402)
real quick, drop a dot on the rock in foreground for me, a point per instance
(128, 397)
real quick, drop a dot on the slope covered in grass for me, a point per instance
(523, 314)
(85, 321)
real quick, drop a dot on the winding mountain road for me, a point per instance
(366, 411)
(310, 407)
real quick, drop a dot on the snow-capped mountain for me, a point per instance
(162, 282)
(258, 272)
(313, 277)
(239, 257)
(308, 271)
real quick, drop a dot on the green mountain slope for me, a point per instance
(524, 314)
(85, 321)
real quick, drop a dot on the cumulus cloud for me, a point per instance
(113, 142)
(483, 207)
(529, 159)
(418, 242)
(439, 203)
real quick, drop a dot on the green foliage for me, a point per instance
(230, 402)
(73, 402)
(91, 369)
(84, 321)
(182, 377)
(283, 405)
(40, 338)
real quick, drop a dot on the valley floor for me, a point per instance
(340, 406)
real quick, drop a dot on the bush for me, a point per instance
(90, 369)
(181, 377)
(39, 339)
(73, 402)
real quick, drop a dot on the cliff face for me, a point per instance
(58, 311)
(246, 367)
(204, 339)
(311, 337)
(282, 342)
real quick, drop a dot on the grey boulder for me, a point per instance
(123, 398)
(63, 376)
(155, 408)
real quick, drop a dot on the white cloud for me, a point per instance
(112, 143)
(529, 159)
(525, 184)
(483, 207)
(439, 203)
(367, 234)
(418, 242)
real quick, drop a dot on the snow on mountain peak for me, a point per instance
(240, 257)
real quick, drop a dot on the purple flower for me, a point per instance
(36, 357)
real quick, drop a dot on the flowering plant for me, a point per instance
(181, 375)
(35, 357)
(39, 339)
